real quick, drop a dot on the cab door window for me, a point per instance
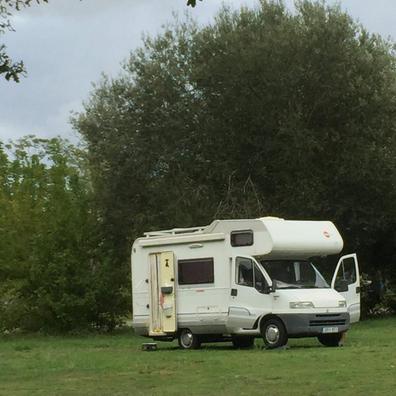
(259, 280)
(248, 274)
(244, 271)
(346, 274)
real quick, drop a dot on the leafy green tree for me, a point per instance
(263, 112)
(51, 275)
(10, 69)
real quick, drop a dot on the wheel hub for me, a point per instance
(187, 338)
(272, 334)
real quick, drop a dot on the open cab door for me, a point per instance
(346, 280)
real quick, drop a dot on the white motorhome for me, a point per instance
(240, 279)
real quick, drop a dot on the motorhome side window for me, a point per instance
(242, 238)
(195, 271)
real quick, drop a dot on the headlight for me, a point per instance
(342, 304)
(301, 304)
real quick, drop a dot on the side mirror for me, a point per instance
(268, 289)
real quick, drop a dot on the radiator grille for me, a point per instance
(327, 320)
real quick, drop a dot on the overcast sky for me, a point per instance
(67, 44)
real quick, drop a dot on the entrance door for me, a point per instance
(162, 294)
(249, 294)
(346, 281)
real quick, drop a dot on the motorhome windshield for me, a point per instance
(294, 274)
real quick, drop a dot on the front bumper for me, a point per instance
(312, 324)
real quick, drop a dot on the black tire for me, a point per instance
(274, 333)
(242, 341)
(188, 340)
(330, 340)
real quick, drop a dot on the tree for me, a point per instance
(11, 70)
(51, 275)
(263, 112)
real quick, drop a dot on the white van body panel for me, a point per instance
(303, 238)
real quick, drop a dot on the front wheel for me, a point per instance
(188, 340)
(330, 340)
(274, 333)
(242, 341)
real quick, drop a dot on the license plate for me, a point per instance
(330, 330)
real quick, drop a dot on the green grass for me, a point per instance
(115, 365)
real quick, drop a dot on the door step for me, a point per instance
(149, 346)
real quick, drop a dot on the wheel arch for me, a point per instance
(262, 319)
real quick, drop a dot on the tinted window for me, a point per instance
(244, 271)
(248, 274)
(196, 271)
(294, 274)
(259, 280)
(242, 238)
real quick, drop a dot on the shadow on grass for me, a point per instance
(230, 347)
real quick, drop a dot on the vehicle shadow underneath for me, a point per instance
(229, 347)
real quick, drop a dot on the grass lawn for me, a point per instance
(115, 365)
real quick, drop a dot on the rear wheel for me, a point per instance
(188, 340)
(330, 340)
(274, 333)
(242, 342)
